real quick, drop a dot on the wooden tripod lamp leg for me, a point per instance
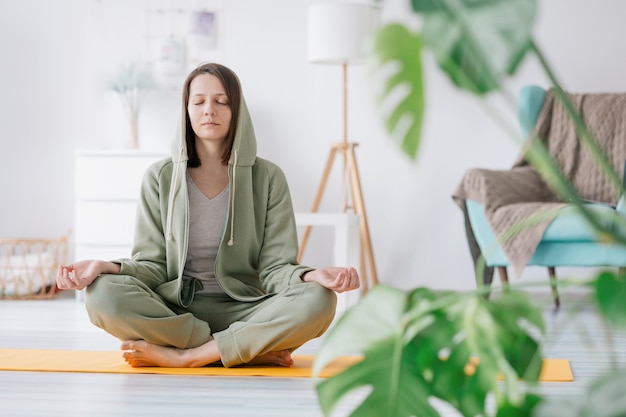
(359, 207)
(318, 198)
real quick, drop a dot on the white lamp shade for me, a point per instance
(338, 32)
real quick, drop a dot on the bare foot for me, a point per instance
(138, 353)
(278, 358)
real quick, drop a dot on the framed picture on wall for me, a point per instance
(202, 40)
(179, 36)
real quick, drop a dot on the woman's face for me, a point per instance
(209, 108)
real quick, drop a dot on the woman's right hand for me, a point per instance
(80, 274)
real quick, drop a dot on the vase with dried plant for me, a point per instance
(131, 83)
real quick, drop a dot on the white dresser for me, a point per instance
(107, 187)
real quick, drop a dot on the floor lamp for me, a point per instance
(337, 33)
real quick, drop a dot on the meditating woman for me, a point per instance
(213, 274)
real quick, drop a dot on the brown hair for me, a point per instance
(233, 90)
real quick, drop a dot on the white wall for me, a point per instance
(55, 56)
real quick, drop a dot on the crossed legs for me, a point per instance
(214, 328)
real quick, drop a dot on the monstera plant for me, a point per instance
(422, 349)
(418, 346)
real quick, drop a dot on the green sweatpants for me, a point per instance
(129, 310)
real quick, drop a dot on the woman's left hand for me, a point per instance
(334, 278)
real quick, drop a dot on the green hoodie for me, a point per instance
(258, 250)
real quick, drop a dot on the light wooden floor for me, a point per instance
(63, 324)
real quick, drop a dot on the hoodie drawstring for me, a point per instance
(231, 241)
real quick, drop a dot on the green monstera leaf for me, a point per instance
(501, 336)
(427, 344)
(397, 73)
(399, 393)
(477, 42)
(610, 291)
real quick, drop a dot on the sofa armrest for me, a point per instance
(621, 204)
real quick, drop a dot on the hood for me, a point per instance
(243, 154)
(244, 144)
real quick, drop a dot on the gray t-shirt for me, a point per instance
(207, 217)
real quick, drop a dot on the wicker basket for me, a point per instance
(28, 267)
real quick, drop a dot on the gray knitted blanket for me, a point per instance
(520, 196)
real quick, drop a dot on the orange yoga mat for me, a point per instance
(552, 370)
(38, 360)
(112, 362)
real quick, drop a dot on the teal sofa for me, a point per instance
(568, 241)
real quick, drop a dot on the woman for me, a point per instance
(213, 275)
